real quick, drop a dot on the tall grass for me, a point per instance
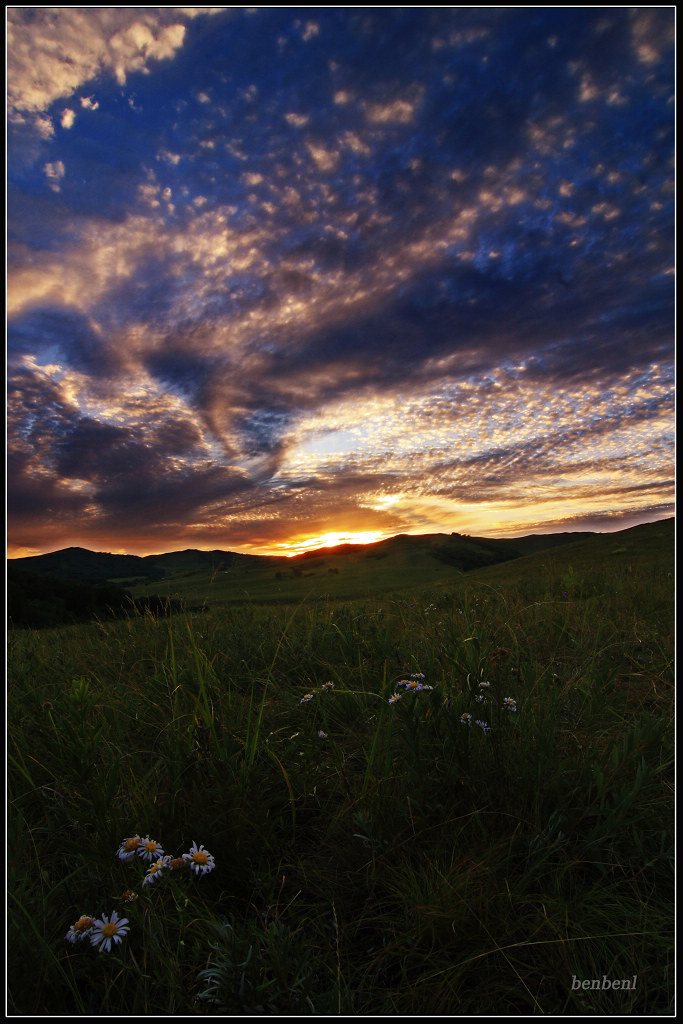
(371, 857)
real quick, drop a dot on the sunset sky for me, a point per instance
(281, 276)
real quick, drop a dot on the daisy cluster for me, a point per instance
(482, 696)
(411, 685)
(198, 859)
(509, 704)
(307, 697)
(101, 931)
(104, 931)
(484, 726)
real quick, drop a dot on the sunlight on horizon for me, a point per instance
(328, 540)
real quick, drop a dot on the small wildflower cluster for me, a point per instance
(198, 859)
(411, 685)
(484, 726)
(482, 697)
(104, 931)
(101, 931)
(148, 849)
(309, 696)
(509, 704)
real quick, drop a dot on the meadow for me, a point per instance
(432, 798)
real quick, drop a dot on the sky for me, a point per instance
(281, 277)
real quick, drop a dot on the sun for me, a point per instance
(328, 540)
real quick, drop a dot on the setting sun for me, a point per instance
(328, 540)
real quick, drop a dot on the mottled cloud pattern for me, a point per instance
(277, 274)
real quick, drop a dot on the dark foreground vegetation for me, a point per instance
(38, 601)
(377, 851)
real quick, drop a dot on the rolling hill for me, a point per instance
(214, 578)
(460, 551)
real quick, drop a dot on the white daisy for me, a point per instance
(200, 860)
(156, 869)
(149, 849)
(128, 848)
(104, 931)
(80, 930)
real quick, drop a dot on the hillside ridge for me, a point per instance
(460, 550)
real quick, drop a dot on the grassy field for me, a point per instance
(376, 850)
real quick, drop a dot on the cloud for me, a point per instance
(53, 52)
(72, 46)
(399, 111)
(54, 172)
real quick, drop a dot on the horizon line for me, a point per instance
(304, 547)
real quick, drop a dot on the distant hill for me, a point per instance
(101, 567)
(75, 584)
(457, 549)
(460, 551)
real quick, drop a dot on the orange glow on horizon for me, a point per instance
(288, 549)
(499, 523)
(328, 540)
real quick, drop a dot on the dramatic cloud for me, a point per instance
(279, 273)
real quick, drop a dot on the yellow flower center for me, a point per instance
(110, 930)
(151, 846)
(83, 924)
(130, 844)
(200, 857)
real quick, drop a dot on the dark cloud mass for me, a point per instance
(284, 273)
